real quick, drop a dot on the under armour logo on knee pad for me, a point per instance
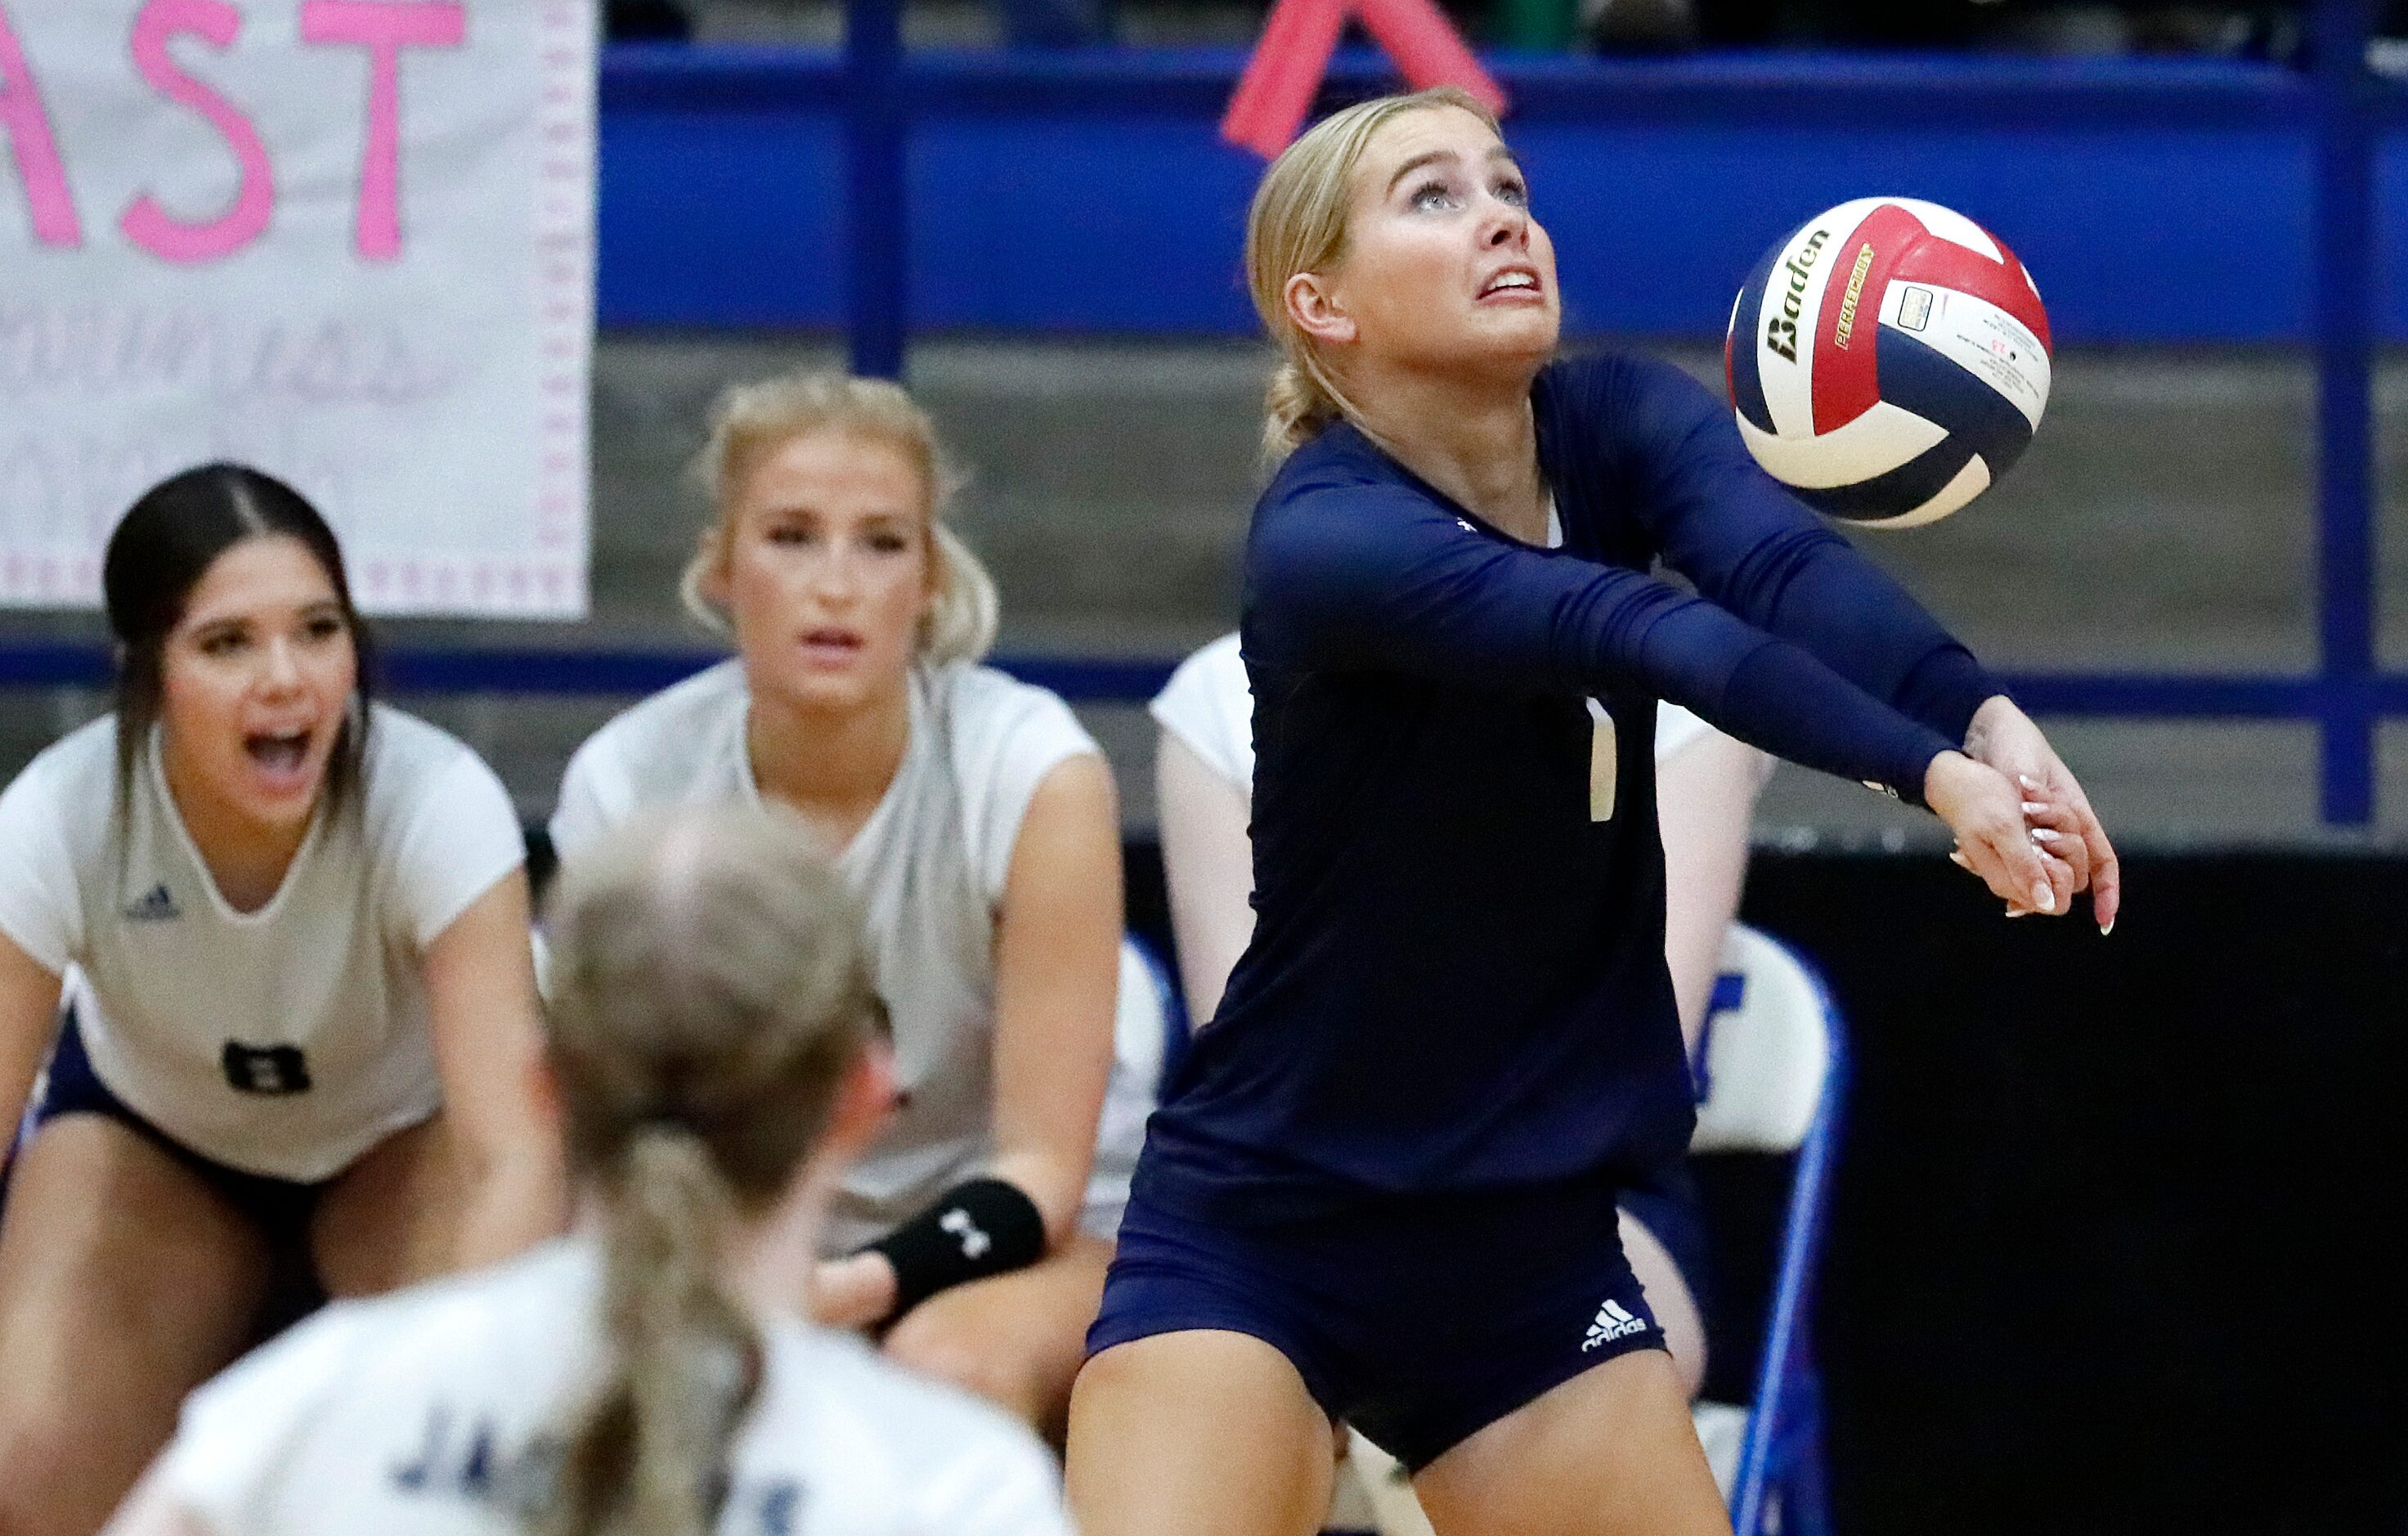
(974, 1243)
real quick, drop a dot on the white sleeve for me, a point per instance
(1003, 750)
(1007, 1486)
(586, 810)
(455, 844)
(240, 1430)
(1209, 707)
(39, 907)
(1676, 728)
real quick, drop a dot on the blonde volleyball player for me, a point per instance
(715, 1040)
(304, 1025)
(1706, 788)
(1382, 1187)
(976, 821)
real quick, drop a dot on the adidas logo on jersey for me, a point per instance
(158, 906)
(1613, 1322)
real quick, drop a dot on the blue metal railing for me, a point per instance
(881, 92)
(569, 671)
(627, 672)
(2345, 241)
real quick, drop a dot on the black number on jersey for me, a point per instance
(266, 1069)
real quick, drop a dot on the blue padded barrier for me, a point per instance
(1088, 192)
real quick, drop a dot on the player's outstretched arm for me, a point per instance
(1753, 547)
(1207, 863)
(1381, 578)
(1056, 975)
(479, 974)
(29, 1011)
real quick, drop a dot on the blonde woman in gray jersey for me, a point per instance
(299, 1036)
(975, 820)
(715, 1040)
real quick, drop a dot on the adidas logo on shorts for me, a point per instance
(1613, 1322)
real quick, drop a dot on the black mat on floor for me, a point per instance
(2113, 1244)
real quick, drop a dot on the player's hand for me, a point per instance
(2003, 737)
(1985, 810)
(2057, 829)
(854, 1292)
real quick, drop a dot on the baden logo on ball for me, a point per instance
(1888, 360)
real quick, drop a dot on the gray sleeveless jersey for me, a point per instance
(928, 866)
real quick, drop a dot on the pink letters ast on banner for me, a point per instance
(383, 27)
(27, 127)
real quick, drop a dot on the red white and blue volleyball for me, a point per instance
(1888, 360)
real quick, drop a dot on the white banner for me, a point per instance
(347, 241)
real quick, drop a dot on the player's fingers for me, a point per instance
(2067, 848)
(2063, 880)
(2105, 874)
(1998, 853)
(2022, 877)
(2041, 807)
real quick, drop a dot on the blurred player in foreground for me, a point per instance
(719, 1055)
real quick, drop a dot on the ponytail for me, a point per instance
(710, 997)
(962, 616)
(650, 1458)
(1295, 409)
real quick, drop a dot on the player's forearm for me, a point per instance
(1816, 590)
(1054, 1179)
(516, 1197)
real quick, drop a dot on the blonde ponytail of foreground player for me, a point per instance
(712, 996)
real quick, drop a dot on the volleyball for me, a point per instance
(1888, 360)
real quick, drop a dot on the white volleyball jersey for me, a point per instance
(929, 866)
(439, 1410)
(1210, 707)
(284, 1041)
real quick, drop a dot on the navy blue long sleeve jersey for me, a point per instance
(1457, 977)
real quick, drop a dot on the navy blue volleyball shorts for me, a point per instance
(1666, 1203)
(281, 1208)
(1419, 1320)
